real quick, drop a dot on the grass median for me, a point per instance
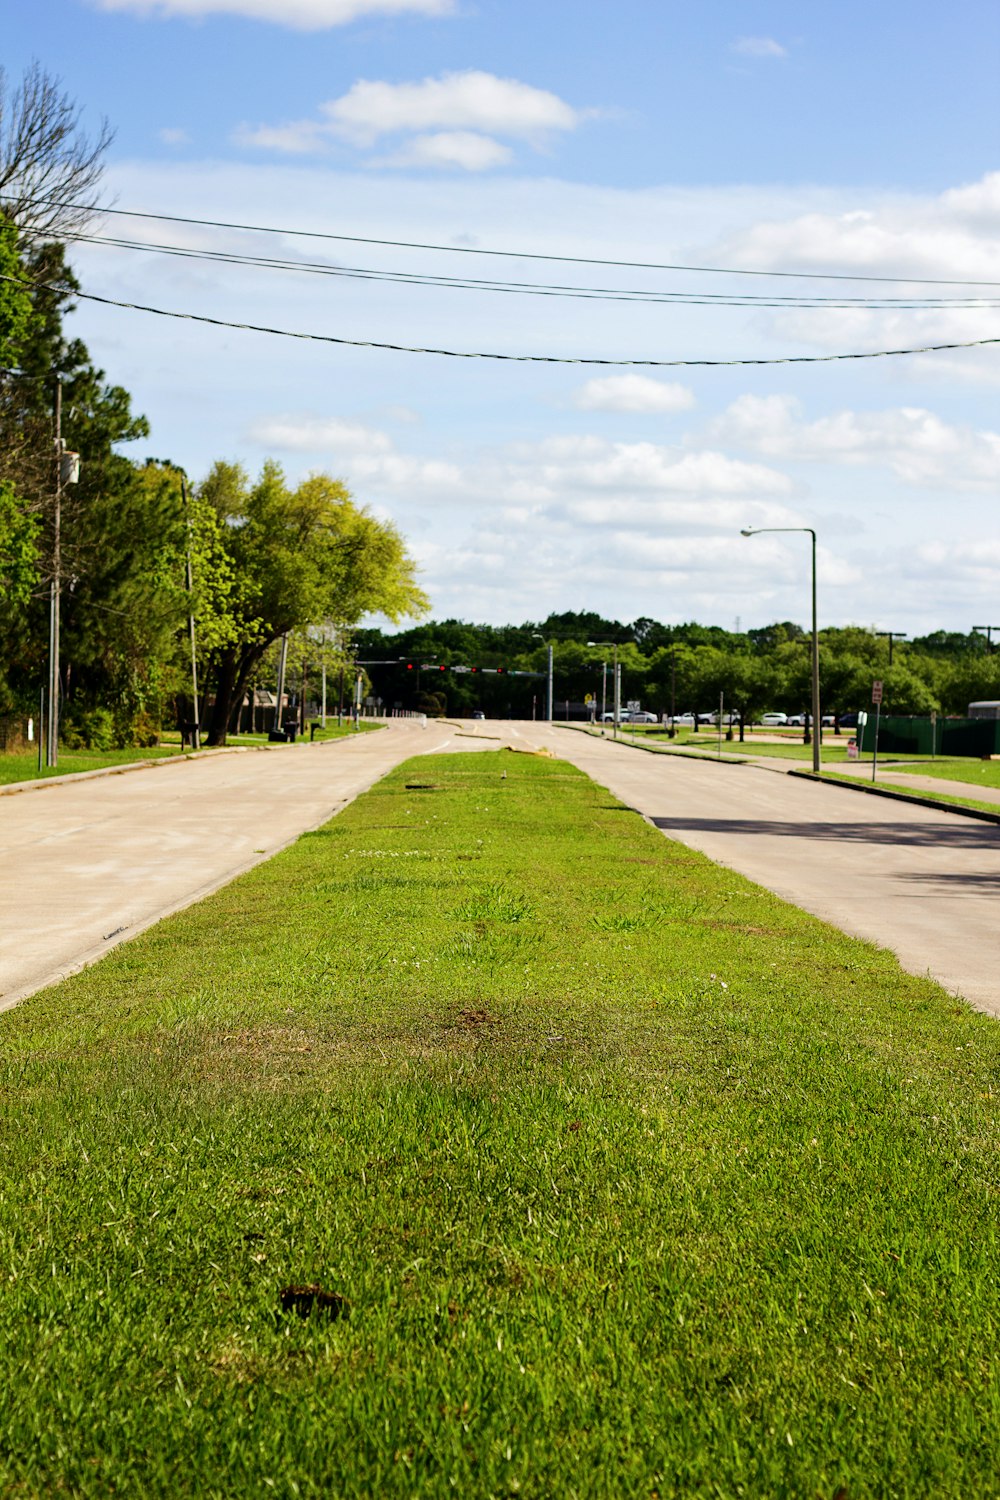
(486, 1142)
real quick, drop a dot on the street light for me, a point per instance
(617, 684)
(537, 635)
(756, 531)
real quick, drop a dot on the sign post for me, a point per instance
(877, 700)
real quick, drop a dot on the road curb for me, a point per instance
(911, 797)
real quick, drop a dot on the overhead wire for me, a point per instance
(548, 359)
(537, 289)
(580, 260)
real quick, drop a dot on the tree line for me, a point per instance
(677, 668)
(143, 551)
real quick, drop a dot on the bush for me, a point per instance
(87, 729)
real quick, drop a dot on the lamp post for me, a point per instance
(616, 695)
(756, 531)
(536, 635)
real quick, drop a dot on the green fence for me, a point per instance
(912, 736)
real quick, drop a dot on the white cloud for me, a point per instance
(297, 138)
(590, 463)
(914, 443)
(312, 434)
(174, 136)
(633, 393)
(448, 148)
(451, 121)
(759, 46)
(948, 236)
(356, 452)
(456, 101)
(300, 15)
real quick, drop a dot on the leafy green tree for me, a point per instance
(298, 557)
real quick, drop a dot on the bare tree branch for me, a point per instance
(50, 170)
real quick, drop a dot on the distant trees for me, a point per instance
(686, 666)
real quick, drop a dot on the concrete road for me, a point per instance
(924, 883)
(90, 862)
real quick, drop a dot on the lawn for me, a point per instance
(632, 1179)
(22, 765)
(954, 768)
(707, 741)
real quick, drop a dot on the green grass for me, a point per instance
(833, 750)
(916, 793)
(639, 1182)
(954, 768)
(22, 765)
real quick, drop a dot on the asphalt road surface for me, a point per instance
(89, 863)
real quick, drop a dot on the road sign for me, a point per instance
(876, 692)
(588, 697)
(633, 705)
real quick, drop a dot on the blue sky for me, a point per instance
(829, 137)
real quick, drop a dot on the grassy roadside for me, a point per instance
(22, 765)
(916, 793)
(954, 768)
(707, 743)
(637, 1181)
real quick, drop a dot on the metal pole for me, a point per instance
(196, 729)
(878, 710)
(618, 692)
(719, 751)
(550, 685)
(41, 729)
(323, 714)
(55, 590)
(817, 733)
(604, 689)
(673, 685)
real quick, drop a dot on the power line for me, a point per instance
(546, 359)
(614, 294)
(578, 260)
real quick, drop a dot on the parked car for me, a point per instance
(477, 713)
(772, 721)
(642, 718)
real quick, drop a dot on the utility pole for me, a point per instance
(55, 590)
(898, 635)
(549, 715)
(988, 632)
(195, 722)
